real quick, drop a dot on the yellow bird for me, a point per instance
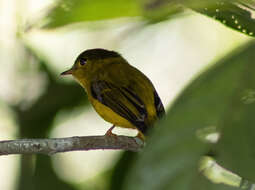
(120, 93)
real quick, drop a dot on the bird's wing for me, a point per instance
(122, 101)
(158, 105)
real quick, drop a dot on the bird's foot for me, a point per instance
(109, 132)
(140, 136)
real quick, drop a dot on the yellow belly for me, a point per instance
(108, 115)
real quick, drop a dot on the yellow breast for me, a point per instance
(108, 115)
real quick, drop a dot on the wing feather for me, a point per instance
(122, 101)
(158, 105)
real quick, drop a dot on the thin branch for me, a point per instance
(57, 145)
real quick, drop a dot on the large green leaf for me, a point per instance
(73, 11)
(170, 159)
(236, 14)
(199, 182)
(236, 147)
(160, 10)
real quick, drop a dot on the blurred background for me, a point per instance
(40, 39)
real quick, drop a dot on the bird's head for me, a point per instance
(91, 61)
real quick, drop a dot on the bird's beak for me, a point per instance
(68, 72)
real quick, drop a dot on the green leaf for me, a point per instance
(170, 159)
(73, 11)
(235, 149)
(201, 183)
(236, 14)
(156, 11)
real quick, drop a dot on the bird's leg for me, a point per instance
(109, 131)
(140, 136)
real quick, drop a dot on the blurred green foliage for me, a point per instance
(72, 11)
(222, 96)
(235, 149)
(36, 121)
(215, 98)
(234, 14)
(41, 175)
(124, 164)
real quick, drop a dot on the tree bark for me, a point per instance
(57, 145)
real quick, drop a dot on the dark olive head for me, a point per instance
(90, 61)
(90, 58)
(97, 54)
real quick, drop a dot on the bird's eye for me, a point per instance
(83, 61)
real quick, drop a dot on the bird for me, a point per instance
(119, 92)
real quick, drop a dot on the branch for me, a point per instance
(57, 145)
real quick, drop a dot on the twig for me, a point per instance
(219, 175)
(57, 145)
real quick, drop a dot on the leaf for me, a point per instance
(237, 14)
(170, 159)
(160, 10)
(235, 149)
(201, 183)
(73, 11)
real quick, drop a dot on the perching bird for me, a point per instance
(120, 93)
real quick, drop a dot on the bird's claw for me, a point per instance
(109, 132)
